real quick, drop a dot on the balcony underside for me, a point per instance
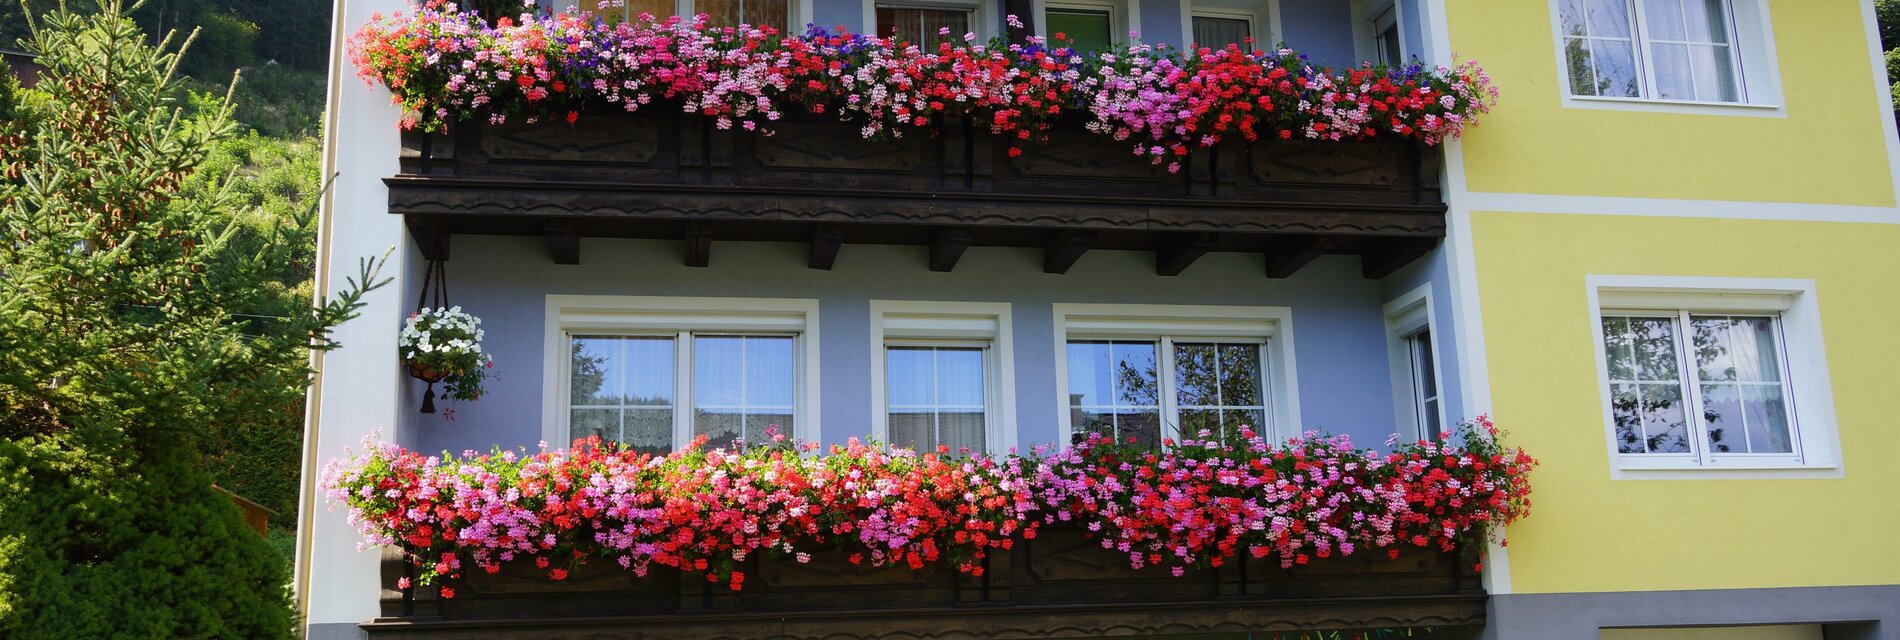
(1062, 584)
(667, 176)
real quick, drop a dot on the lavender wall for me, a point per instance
(1321, 29)
(1339, 328)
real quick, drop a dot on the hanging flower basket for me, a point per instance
(445, 346)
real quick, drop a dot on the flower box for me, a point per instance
(1060, 582)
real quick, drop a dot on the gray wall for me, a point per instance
(1338, 325)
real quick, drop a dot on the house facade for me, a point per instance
(1662, 180)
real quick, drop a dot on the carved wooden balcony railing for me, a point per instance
(1061, 584)
(661, 174)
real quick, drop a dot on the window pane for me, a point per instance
(768, 371)
(609, 373)
(1641, 349)
(1199, 423)
(1608, 18)
(923, 27)
(1583, 76)
(1216, 33)
(721, 427)
(908, 377)
(912, 429)
(742, 385)
(1085, 30)
(768, 13)
(584, 423)
(658, 10)
(719, 13)
(1675, 79)
(1614, 63)
(718, 367)
(961, 431)
(936, 397)
(1195, 381)
(1736, 348)
(1427, 373)
(1767, 416)
(1240, 375)
(649, 430)
(1665, 19)
(1136, 378)
(1715, 73)
(1571, 18)
(960, 377)
(1704, 20)
(1391, 50)
(1142, 428)
(1664, 418)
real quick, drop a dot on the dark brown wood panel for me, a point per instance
(1061, 584)
(651, 173)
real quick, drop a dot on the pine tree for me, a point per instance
(134, 312)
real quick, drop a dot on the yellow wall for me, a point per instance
(1829, 149)
(1587, 532)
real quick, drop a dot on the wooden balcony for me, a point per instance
(1061, 584)
(660, 174)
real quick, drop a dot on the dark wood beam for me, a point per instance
(564, 241)
(698, 244)
(1064, 249)
(946, 247)
(432, 240)
(1382, 258)
(1286, 256)
(1173, 253)
(826, 240)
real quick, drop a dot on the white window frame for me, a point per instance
(1166, 324)
(1804, 362)
(1758, 70)
(602, 315)
(1405, 317)
(1124, 16)
(1383, 20)
(955, 324)
(983, 15)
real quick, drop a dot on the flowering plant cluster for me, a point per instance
(445, 345)
(442, 63)
(1196, 503)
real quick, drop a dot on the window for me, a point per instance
(655, 373)
(622, 388)
(1416, 389)
(1142, 373)
(1676, 50)
(758, 13)
(724, 13)
(1713, 378)
(1086, 29)
(925, 27)
(942, 375)
(1216, 32)
(1385, 35)
(935, 396)
(1425, 401)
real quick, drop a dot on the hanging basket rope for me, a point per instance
(434, 281)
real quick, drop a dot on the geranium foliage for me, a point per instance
(1189, 504)
(443, 64)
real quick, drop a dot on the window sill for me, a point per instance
(1729, 471)
(1655, 105)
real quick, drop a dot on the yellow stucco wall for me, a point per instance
(1829, 149)
(1587, 532)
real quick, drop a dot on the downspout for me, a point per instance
(313, 399)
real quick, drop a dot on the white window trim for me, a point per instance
(1273, 325)
(1754, 39)
(651, 315)
(1124, 16)
(983, 17)
(1367, 17)
(1805, 362)
(968, 323)
(1405, 316)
